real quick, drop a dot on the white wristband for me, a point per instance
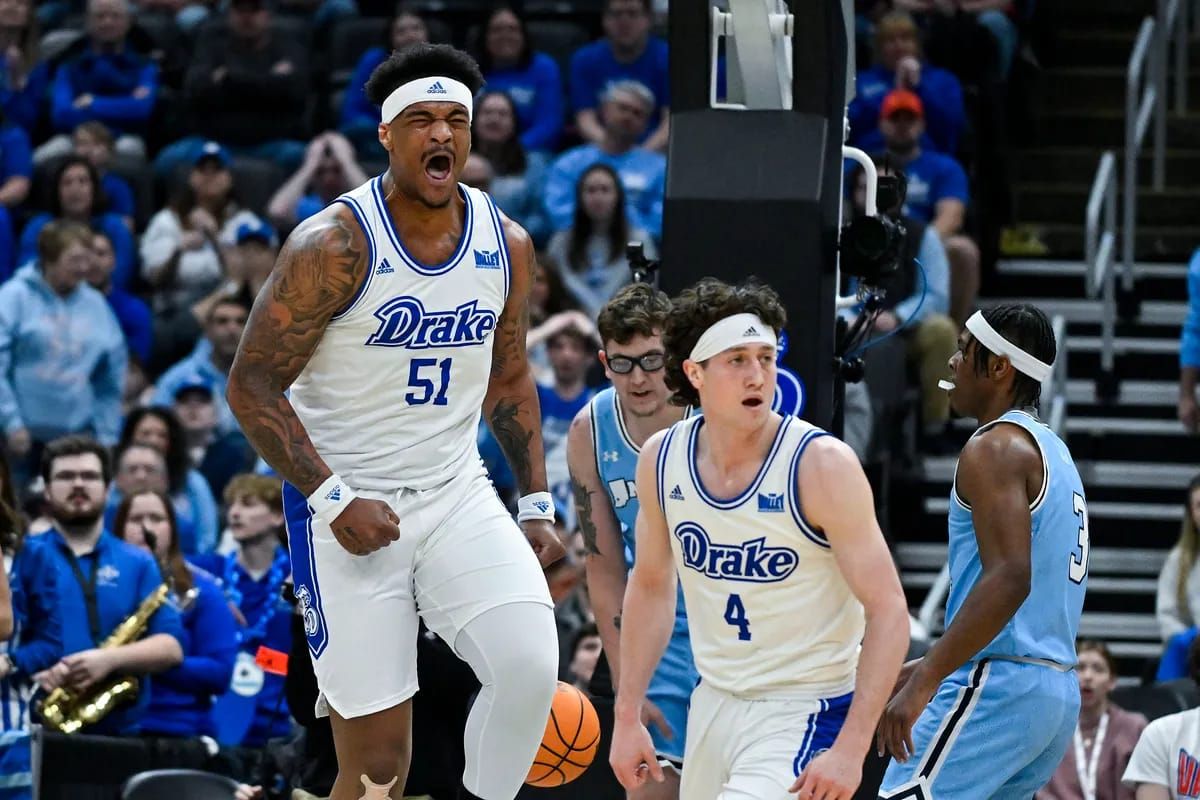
(331, 498)
(539, 505)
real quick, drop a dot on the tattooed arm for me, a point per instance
(318, 271)
(601, 534)
(511, 403)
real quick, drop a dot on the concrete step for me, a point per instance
(1157, 394)
(1152, 242)
(1077, 165)
(1044, 267)
(1154, 312)
(1091, 47)
(1105, 127)
(1066, 203)
(1087, 88)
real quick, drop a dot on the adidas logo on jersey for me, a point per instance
(335, 494)
(384, 268)
(675, 493)
(751, 561)
(770, 501)
(751, 331)
(436, 88)
(487, 259)
(404, 322)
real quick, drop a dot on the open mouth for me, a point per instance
(438, 167)
(752, 402)
(642, 395)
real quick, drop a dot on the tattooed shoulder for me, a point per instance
(322, 263)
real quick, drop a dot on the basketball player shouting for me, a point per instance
(771, 526)
(391, 319)
(1004, 701)
(602, 451)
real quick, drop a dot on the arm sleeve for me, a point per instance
(108, 384)
(118, 109)
(63, 114)
(1189, 341)
(543, 130)
(1150, 762)
(208, 667)
(936, 281)
(10, 410)
(42, 639)
(1166, 605)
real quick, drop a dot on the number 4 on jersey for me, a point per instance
(735, 614)
(1079, 557)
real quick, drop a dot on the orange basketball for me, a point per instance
(570, 742)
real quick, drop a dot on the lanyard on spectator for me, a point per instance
(1086, 768)
(88, 587)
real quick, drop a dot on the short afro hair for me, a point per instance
(421, 60)
(700, 307)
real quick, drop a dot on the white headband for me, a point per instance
(1022, 361)
(730, 332)
(434, 89)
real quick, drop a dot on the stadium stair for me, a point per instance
(1133, 454)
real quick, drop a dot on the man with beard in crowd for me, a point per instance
(102, 581)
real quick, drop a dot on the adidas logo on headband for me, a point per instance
(436, 88)
(751, 331)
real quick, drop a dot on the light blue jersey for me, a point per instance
(616, 463)
(999, 726)
(1046, 624)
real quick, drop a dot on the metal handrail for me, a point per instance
(1140, 103)
(1100, 245)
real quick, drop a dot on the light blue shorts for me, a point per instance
(671, 689)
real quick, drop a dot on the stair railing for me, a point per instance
(1054, 403)
(1141, 102)
(1100, 250)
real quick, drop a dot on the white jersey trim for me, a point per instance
(359, 215)
(749, 491)
(506, 264)
(389, 226)
(1041, 495)
(793, 489)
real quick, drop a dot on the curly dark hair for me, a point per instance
(422, 60)
(698, 308)
(635, 309)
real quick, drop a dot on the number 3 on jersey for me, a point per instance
(417, 379)
(735, 615)
(1079, 557)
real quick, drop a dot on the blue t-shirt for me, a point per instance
(123, 576)
(136, 322)
(1189, 340)
(594, 67)
(940, 93)
(16, 155)
(557, 413)
(119, 194)
(309, 205)
(932, 177)
(182, 701)
(255, 708)
(537, 92)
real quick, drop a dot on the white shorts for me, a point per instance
(460, 553)
(740, 749)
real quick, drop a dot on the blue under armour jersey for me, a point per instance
(1046, 624)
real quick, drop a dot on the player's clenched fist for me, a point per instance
(366, 526)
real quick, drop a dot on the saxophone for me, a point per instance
(67, 710)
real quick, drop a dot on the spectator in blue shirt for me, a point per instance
(900, 65)
(591, 253)
(627, 52)
(643, 173)
(255, 707)
(16, 164)
(330, 168)
(937, 193)
(218, 457)
(359, 120)
(94, 141)
(510, 65)
(195, 507)
(211, 359)
(24, 76)
(182, 701)
(1189, 349)
(101, 582)
(62, 354)
(518, 175)
(107, 81)
(131, 311)
(571, 351)
(77, 197)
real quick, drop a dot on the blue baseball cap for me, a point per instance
(258, 229)
(213, 150)
(194, 382)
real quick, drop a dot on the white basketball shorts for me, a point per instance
(460, 553)
(742, 749)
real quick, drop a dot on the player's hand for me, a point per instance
(832, 775)
(653, 715)
(1189, 415)
(365, 526)
(894, 733)
(632, 756)
(545, 542)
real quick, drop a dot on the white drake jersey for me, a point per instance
(392, 395)
(769, 612)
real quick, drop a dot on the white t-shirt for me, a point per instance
(1168, 754)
